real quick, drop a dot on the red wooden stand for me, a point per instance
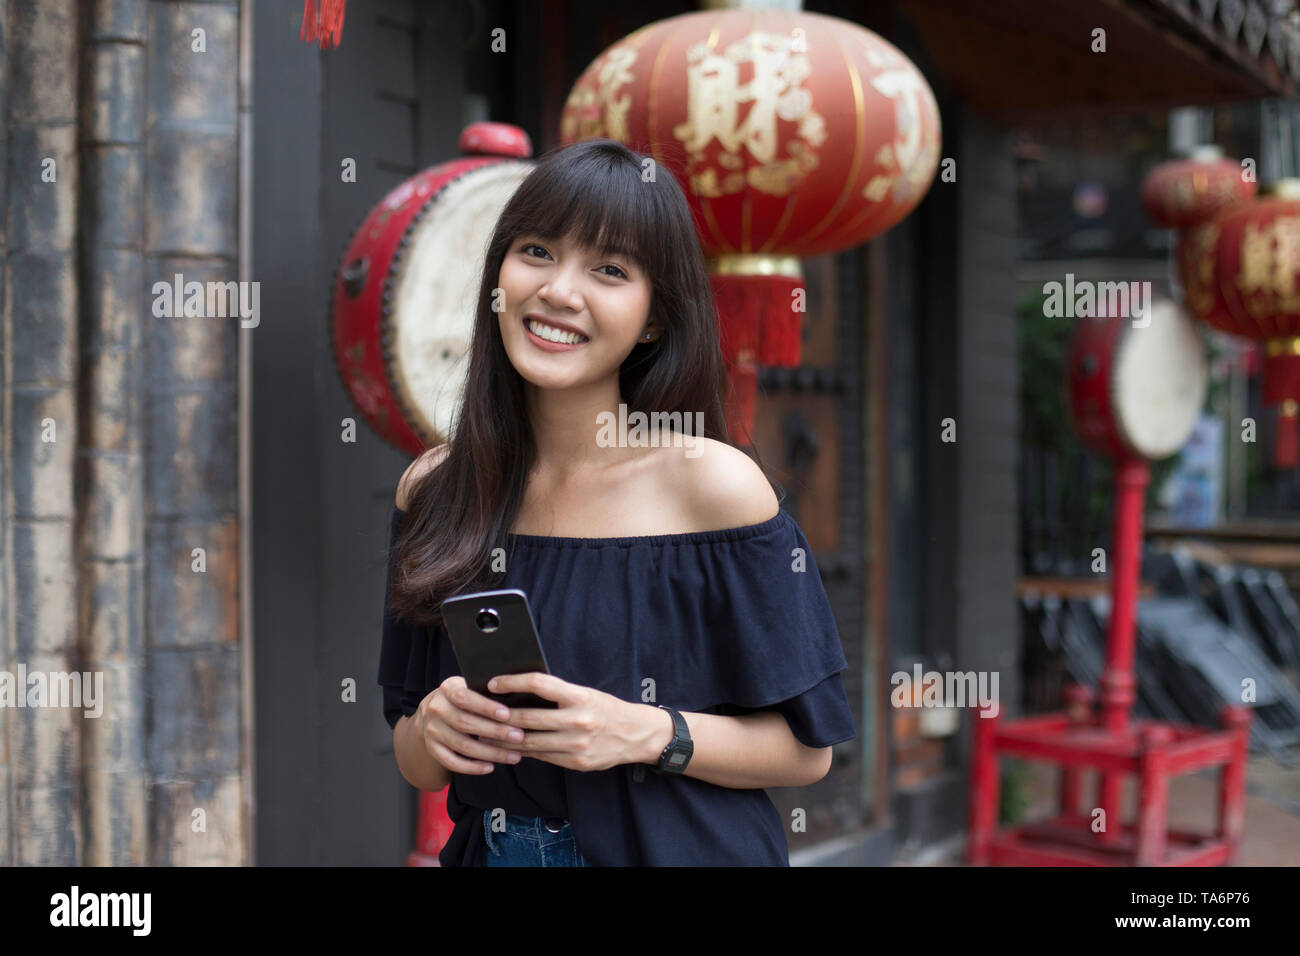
(432, 829)
(1109, 742)
(1074, 741)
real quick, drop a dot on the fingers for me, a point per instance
(458, 757)
(472, 713)
(464, 698)
(455, 762)
(546, 686)
(454, 720)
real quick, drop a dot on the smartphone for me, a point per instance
(493, 633)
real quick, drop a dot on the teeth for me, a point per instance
(554, 335)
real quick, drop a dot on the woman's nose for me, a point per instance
(559, 294)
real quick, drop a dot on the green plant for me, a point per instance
(1013, 793)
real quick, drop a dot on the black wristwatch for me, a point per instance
(678, 752)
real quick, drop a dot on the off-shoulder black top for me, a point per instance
(726, 622)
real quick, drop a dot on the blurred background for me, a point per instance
(206, 138)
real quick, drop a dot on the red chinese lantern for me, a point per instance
(792, 134)
(1185, 194)
(1182, 193)
(1242, 272)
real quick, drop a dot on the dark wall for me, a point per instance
(953, 531)
(390, 97)
(288, 262)
(988, 501)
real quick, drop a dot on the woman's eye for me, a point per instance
(532, 245)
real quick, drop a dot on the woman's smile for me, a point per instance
(552, 339)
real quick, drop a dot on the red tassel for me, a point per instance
(323, 26)
(755, 320)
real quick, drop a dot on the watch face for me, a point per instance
(677, 759)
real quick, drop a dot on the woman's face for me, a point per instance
(604, 298)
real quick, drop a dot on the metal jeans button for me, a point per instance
(554, 824)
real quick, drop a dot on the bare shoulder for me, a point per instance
(724, 486)
(428, 461)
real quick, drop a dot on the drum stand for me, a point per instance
(433, 829)
(1112, 744)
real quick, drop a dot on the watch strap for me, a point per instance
(678, 753)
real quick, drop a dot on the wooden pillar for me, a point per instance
(1232, 778)
(985, 785)
(1153, 798)
(1078, 707)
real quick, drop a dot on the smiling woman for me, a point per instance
(693, 654)
(556, 283)
(585, 245)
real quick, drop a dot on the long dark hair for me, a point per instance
(594, 194)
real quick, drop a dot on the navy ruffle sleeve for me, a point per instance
(405, 664)
(727, 622)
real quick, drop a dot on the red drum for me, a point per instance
(1136, 386)
(406, 288)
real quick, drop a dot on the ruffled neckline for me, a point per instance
(740, 533)
(717, 535)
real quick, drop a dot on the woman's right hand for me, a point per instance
(446, 719)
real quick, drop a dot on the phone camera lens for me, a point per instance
(487, 620)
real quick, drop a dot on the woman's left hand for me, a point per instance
(590, 730)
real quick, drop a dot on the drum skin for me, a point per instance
(1135, 386)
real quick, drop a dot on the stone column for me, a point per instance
(40, 761)
(110, 544)
(119, 522)
(191, 443)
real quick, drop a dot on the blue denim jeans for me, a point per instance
(531, 841)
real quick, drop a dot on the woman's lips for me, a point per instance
(547, 346)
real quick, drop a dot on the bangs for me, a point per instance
(600, 204)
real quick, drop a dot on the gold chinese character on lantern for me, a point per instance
(914, 156)
(1255, 248)
(715, 96)
(1267, 277)
(601, 113)
(1201, 272)
(1286, 255)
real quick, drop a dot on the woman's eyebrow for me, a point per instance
(622, 257)
(612, 252)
